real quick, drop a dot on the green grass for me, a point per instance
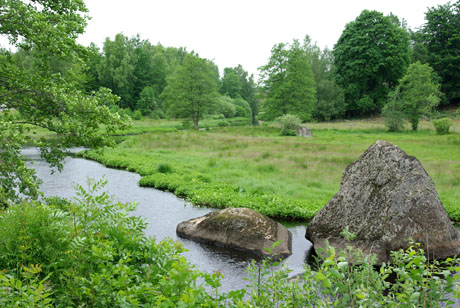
(283, 177)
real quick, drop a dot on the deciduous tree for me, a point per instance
(43, 98)
(288, 82)
(371, 55)
(416, 95)
(191, 89)
(442, 39)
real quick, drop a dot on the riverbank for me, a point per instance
(283, 177)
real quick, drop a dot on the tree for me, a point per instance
(330, 101)
(191, 90)
(147, 101)
(442, 40)
(43, 98)
(116, 70)
(371, 55)
(236, 83)
(288, 82)
(230, 84)
(417, 94)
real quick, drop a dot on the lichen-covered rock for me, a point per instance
(239, 228)
(386, 198)
(304, 132)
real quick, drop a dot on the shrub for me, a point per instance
(442, 125)
(348, 278)
(157, 114)
(164, 168)
(223, 123)
(225, 106)
(243, 109)
(137, 115)
(94, 253)
(394, 116)
(289, 123)
(288, 132)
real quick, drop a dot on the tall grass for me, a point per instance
(255, 161)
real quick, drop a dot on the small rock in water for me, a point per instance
(239, 228)
(386, 198)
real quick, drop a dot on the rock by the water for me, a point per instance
(304, 132)
(386, 197)
(239, 228)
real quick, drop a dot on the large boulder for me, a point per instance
(239, 228)
(386, 198)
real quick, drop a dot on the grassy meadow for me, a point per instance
(283, 177)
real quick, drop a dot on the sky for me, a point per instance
(238, 31)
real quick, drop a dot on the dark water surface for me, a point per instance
(163, 211)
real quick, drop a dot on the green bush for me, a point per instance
(288, 132)
(157, 114)
(348, 278)
(243, 109)
(394, 116)
(164, 168)
(94, 253)
(223, 123)
(442, 125)
(289, 123)
(136, 115)
(225, 107)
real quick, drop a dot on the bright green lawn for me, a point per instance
(284, 177)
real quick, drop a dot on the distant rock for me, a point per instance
(386, 197)
(304, 132)
(239, 228)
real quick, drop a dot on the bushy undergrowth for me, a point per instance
(442, 125)
(284, 177)
(350, 279)
(93, 253)
(204, 190)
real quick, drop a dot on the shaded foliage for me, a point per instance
(39, 95)
(288, 83)
(371, 55)
(191, 89)
(442, 40)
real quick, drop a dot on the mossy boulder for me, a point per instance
(239, 228)
(386, 198)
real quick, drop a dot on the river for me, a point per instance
(163, 211)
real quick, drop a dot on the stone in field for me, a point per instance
(386, 197)
(304, 132)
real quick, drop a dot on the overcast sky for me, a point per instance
(238, 31)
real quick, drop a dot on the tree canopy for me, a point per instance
(371, 55)
(442, 41)
(191, 89)
(288, 83)
(417, 93)
(42, 97)
(236, 83)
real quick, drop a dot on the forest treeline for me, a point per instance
(358, 77)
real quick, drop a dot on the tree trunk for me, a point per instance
(195, 122)
(254, 120)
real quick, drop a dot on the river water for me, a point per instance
(163, 211)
